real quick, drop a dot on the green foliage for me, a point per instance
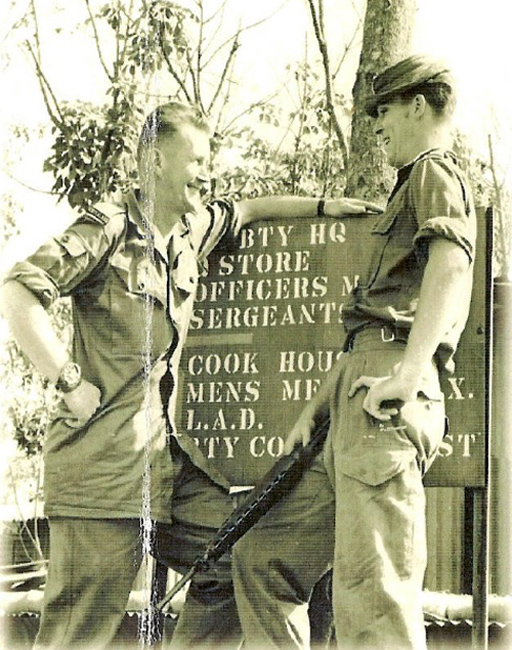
(93, 153)
(307, 160)
(8, 225)
(94, 145)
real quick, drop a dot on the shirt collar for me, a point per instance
(418, 157)
(145, 228)
(404, 172)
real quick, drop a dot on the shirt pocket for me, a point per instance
(381, 234)
(65, 258)
(140, 277)
(137, 300)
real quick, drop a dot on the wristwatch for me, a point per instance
(69, 378)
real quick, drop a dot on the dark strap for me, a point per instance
(389, 331)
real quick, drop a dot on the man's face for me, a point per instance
(184, 170)
(393, 126)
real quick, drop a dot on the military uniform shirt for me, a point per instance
(116, 269)
(431, 199)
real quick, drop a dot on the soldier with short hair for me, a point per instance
(119, 478)
(361, 506)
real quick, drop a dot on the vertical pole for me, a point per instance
(480, 636)
(480, 568)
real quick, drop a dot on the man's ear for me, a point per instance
(419, 105)
(151, 161)
(158, 161)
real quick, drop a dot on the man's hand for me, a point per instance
(341, 207)
(301, 432)
(385, 395)
(83, 402)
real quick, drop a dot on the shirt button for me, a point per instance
(65, 238)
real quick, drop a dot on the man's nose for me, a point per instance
(377, 127)
(203, 173)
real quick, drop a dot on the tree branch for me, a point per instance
(170, 66)
(54, 112)
(347, 49)
(36, 28)
(199, 54)
(318, 27)
(249, 108)
(243, 29)
(120, 54)
(219, 10)
(302, 117)
(97, 42)
(28, 187)
(227, 65)
(17, 24)
(192, 72)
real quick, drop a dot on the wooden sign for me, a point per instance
(268, 326)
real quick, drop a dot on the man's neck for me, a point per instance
(159, 212)
(438, 138)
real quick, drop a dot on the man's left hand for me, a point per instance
(341, 207)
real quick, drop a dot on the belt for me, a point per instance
(384, 332)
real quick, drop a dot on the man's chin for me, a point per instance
(194, 208)
(193, 204)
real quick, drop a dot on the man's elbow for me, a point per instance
(246, 211)
(6, 297)
(14, 297)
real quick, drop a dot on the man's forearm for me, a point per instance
(32, 329)
(278, 207)
(284, 207)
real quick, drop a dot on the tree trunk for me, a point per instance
(387, 38)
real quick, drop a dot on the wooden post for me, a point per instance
(480, 568)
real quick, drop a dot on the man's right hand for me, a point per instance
(301, 432)
(83, 402)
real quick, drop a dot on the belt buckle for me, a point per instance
(384, 331)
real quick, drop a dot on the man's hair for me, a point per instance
(166, 120)
(438, 95)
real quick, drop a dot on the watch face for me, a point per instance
(71, 373)
(69, 377)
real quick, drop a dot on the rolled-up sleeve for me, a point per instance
(221, 219)
(63, 263)
(441, 202)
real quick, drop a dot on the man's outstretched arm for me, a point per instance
(282, 207)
